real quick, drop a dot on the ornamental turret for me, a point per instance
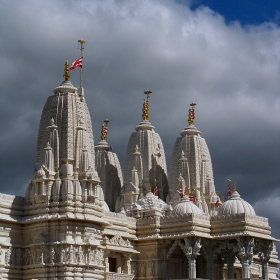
(191, 160)
(108, 168)
(145, 154)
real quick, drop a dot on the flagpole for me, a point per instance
(81, 47)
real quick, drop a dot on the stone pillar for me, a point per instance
(184, 266)
(246, 247)
(192, 248)
(230, 262)
(265, 270)
(221, 269)
(128, 264)
(245, 268)
(264, 255)
(192, 267)
(164, 269)
(209, 254)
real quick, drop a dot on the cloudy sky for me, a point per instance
(224, 57)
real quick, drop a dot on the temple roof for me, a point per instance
(235, 205)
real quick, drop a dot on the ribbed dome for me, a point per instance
(186, 206)
(235, 205)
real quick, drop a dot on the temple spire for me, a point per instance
(145, 109)
(191, 114)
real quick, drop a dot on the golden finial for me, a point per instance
(104, 130)
(145, 108)
(191, 113)
(235, 188)
(155, 181)
(66, 74)
(149, 188)
(187, 191)
(223, 199)
(81, 46)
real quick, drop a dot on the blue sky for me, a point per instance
(244, 11)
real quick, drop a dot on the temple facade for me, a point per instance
(82, 218)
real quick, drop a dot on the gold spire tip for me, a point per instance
(145, 109)
(104, 130)
(235, 188)
(191, 114)
(149, 188)
(66, 74)
(81, 41)
(187, 191)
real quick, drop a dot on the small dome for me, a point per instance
(150, 201)
(235, 205)
(186, 206)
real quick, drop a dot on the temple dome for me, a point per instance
(186, 207)
(235, 205)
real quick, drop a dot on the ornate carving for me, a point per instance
(8, 256)
(118, 240)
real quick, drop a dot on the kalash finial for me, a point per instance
(66, 74)
(191, 113)
(145, 109)
(235, 188)
(104, 130)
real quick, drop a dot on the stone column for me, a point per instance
(221, 269)
(264, 256)
(192, 267)
(230, 261)
(164, 256)
(246, 247)
(191, 250)
(184, 264)
(209, 254)
(164, 269)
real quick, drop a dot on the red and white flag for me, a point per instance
(181, 192)
(192, 198)
(77, 63)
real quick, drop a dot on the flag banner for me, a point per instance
(192, 198)
(229, 192)
(181, 192)
(217, 204)
(77, 63)
(156, 191)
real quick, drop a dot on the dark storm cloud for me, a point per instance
(230, 71)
